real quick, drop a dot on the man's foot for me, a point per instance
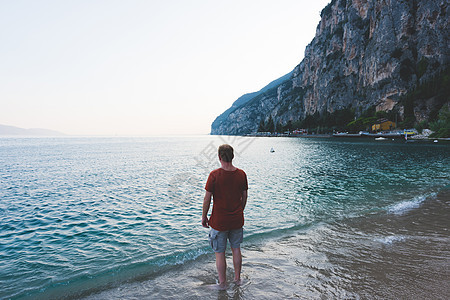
(222, 286)
(218, 286)
(238, 281)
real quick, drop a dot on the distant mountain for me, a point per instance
(6, 130)
(245, 98)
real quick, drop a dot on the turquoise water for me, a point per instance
(83, 215)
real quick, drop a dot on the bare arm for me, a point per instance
(206, 204)
(244, 198)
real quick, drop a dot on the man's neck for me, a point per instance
(227, 166)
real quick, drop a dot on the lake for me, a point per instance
(120, 217)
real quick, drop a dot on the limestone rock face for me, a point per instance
(365, 53)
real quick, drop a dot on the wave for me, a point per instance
(88, 284)
(407, 205)
(85, 285)
(388, 240)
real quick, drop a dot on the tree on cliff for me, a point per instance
(441, 127)
(270, 127)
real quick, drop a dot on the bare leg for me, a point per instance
(221, 265)
(237, 263)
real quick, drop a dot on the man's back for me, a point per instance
(227, 188)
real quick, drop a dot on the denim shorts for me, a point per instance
(218, 239)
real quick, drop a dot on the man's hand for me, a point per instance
(205, 222)
(206, 204)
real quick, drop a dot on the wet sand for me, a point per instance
(383, 255)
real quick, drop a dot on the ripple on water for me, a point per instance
(82, 207)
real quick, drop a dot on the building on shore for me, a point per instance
(383, 125)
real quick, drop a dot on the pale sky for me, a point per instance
(91, 67)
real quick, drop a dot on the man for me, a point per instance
(228, 186)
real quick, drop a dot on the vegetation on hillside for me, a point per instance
(438, 89)
(347, 119)
(441, 126)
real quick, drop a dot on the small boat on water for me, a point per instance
(380, 138)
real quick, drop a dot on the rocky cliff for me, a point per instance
(247, 97)
(364, 54)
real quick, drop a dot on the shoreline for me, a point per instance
(378, 255)
(292, 135)
(354, 136)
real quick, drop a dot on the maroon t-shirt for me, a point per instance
(227, 188)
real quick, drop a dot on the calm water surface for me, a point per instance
(120, 217)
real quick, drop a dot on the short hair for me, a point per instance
(226, 153)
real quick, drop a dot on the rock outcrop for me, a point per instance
(364, 54)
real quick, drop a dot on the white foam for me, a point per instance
(404, 206)
(388, 240)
